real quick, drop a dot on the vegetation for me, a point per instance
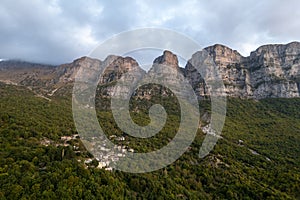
(257, 158)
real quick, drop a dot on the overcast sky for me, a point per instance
(59, 31)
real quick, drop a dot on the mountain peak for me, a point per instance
(223, 54)
(168, 58)
(270, 71)
(220, 49)
(281, 49)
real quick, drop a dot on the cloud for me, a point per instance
(59, 31)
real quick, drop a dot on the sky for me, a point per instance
(59, 31)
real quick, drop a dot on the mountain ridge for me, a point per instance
(269, 71)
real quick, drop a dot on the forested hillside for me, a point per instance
(256, 158)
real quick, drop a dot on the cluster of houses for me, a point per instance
(105, 156)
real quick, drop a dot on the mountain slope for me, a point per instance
(256, 158)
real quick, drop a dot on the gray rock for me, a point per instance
(270, 71)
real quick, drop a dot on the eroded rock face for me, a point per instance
(275, 71)
(168, 58)
(223, 55)
(270, 71)
(165, 74)
(230, 65)
(67, 72)
(116, 66)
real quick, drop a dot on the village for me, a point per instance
(104, 156)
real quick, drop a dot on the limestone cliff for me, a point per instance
(275, 71)
(270, 71)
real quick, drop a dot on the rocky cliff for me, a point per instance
(274, 71)
(162, 77)
(269, 71)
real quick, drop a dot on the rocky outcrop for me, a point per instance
(168, 58)
(165, 66)
(162, 78)
(275, 71)
(270, 71)
(50, 79)
(228, 63)
(116, 67)
(66, 73)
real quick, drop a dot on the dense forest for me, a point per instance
(258, 156)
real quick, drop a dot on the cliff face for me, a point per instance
(230, 65)
(270, 71)
(116, 66)
(275, 71)
(168, 58)
(162, 76)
